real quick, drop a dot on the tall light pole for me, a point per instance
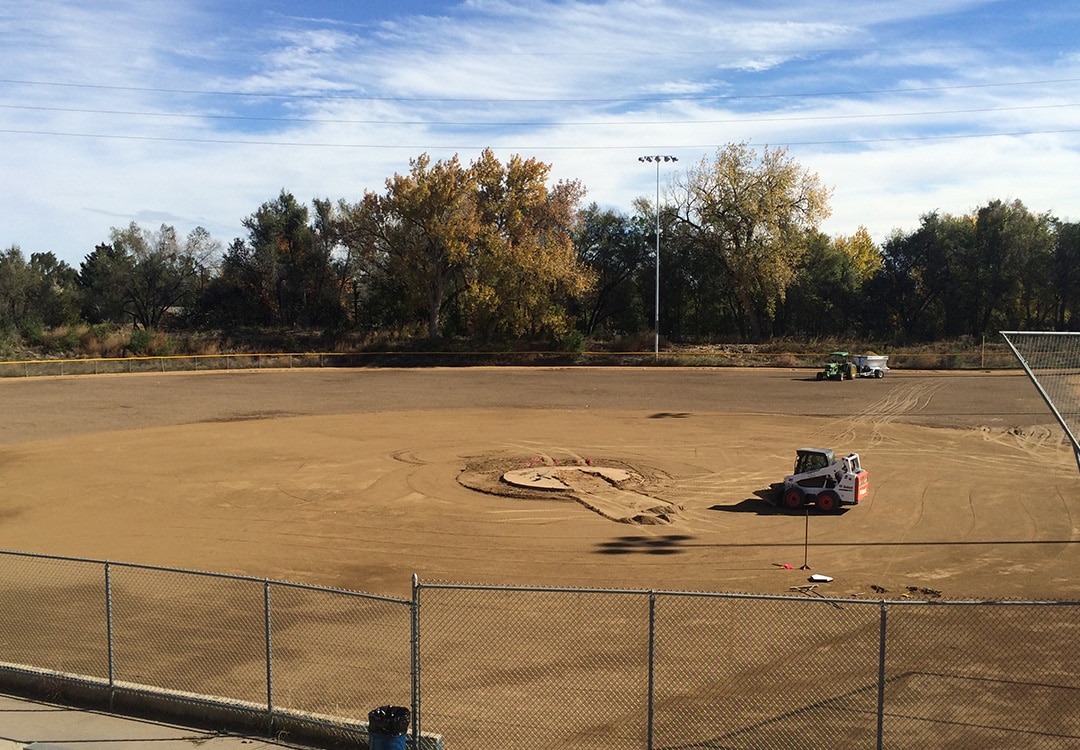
(658, 158)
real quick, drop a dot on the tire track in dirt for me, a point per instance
(866, 428)
(1034, 441)
(1071, 522)
(909, 398)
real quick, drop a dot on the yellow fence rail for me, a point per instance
(711, 357)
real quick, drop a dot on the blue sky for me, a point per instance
(194, 112)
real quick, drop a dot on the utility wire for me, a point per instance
(398, 146)
(477, 100)
(524, 123)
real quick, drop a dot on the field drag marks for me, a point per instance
(361, 500)
(901, 401)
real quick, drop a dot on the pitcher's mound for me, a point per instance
(618, 493)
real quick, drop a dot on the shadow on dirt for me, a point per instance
(764, 504)
(670, 415)
(750, 505)
(668, 544)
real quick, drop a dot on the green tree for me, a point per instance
(334, 289)
(16, 279)
(615, 248)
(997, 268)
(754, 212)
(924, 289)
(1013, 255)
(35, 295)
(282, 273)
(141, 276)
(105, 278)
(697, 298)
(236, 295)
(54, 290)
(376, 297)
(1065, 276)
(826, 296)
(165, 273)
(281, 242)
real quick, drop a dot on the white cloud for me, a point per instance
(587, 86)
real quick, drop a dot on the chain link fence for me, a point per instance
(273, 650)
(529, 668)
(533, 667)
(524, 667)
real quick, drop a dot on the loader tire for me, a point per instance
(793, 498)
(828, 502)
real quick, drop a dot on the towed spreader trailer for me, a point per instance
(870, 365)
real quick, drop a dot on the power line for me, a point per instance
(520, 123)
(479, 100)
(398, 146)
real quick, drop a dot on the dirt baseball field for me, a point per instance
(360, 478)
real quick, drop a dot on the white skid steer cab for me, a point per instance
(823, 479)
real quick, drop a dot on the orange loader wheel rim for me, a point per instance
(828, 502)
(793, 499)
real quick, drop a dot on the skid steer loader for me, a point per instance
(823, 479)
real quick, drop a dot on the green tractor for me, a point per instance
(838, 366)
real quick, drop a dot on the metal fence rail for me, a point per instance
(526, 667)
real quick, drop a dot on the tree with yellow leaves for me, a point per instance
(755, 214)
(491, 240)
(865, 255)
(524, 265)
(416, 237)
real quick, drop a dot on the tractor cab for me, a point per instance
(838, 366)
(808, 460)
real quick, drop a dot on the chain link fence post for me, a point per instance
(269, 659)
(652, 667)
(881, 676)
(109, 633)
(415, 659)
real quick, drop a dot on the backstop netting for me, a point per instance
(1052, 361)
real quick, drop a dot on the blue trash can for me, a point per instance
(388, 727)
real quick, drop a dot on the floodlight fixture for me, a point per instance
(657, 158)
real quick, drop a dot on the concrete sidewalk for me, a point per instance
(45, 726)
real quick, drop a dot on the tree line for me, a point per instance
(496, 253)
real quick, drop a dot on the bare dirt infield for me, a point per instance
(360, 478)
